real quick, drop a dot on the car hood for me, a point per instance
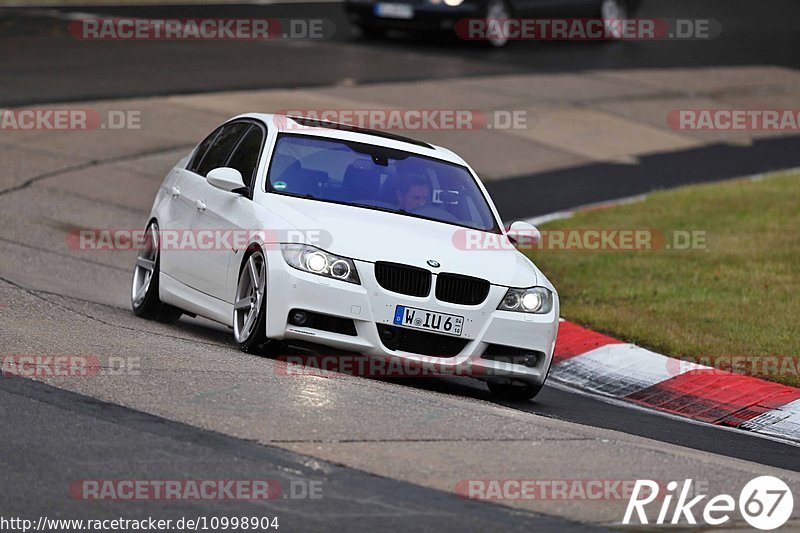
(372, 235)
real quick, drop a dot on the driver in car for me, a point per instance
(413, 192)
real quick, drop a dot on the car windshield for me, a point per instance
(369, 176)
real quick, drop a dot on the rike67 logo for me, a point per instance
(765, 503)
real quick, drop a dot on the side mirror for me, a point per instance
(227, 179)
(523, 234)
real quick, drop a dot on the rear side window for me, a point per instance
(245, 157)
(217, 154)
(202, 148)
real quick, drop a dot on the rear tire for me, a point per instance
(517, 393)
(144, 286)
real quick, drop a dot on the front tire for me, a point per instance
(144, 286)
(515, 392)
(250, 305)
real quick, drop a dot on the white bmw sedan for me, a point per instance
(291, 231)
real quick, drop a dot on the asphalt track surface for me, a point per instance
(550, 192)
(37, 48)
(61, 436)
(111, 439)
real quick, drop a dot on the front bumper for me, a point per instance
(369, 306)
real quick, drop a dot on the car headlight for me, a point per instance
(317, 261)
(534, 300)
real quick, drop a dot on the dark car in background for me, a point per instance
(375, 17)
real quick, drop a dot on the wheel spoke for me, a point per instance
(249, 322)
(140, 292)
(253, 272)
(145, 263)
(243, 303)
(261, 277)
(153, 238)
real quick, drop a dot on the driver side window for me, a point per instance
(201, 150)
(245, 156)
(217, 154)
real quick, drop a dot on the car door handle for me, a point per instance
(200, 205)
(175, 192)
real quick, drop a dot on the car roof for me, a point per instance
(311, 126)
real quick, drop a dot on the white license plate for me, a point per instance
(411, 317)
(394, 11)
